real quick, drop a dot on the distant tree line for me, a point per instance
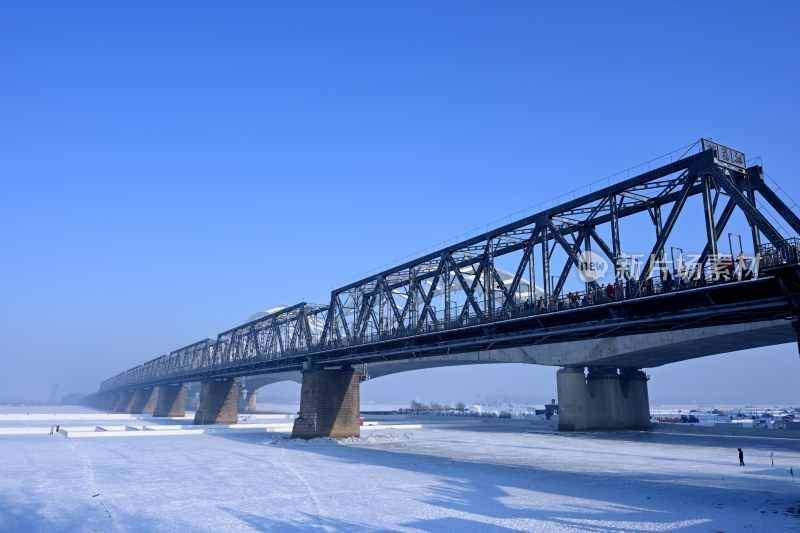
(417, 405)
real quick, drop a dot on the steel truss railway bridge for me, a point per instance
(559, 288)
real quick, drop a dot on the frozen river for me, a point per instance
(407, 475)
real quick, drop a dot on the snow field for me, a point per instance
(457, 478)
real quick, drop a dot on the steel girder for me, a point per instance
(462, 286)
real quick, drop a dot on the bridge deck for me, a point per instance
(736, 303)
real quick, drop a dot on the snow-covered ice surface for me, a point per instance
(461, 476)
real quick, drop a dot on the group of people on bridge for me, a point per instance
(718, 269)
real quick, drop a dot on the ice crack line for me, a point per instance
(311, 492)
(92, 485)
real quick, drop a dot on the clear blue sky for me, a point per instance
(168, 169)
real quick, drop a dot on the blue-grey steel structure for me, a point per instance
(460, 299)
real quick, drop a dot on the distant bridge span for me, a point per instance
(479, 301)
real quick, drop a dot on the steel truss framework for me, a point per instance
(470, 289)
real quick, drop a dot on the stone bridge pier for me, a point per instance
(171, 401)
(144, 401)
(602, 399)
(219, 402)
(248, 401)
(329, 404)
(124, 401)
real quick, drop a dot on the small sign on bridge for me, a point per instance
(726, 156)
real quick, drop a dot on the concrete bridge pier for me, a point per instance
(124, 402)
(171, 401)
(329, 405)
(603, 399)
(248, 404)
(144, 401)
(218, 402)
(635, 398)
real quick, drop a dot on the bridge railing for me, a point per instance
(205, 355)
(724, 271)
(782, 253)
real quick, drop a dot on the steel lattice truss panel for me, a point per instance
(490, 277)
(275, 336)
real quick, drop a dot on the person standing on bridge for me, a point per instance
(740, 265)
(681, 274)
(573, 299)
(611, 291)
(667, 279)
(741, 457)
